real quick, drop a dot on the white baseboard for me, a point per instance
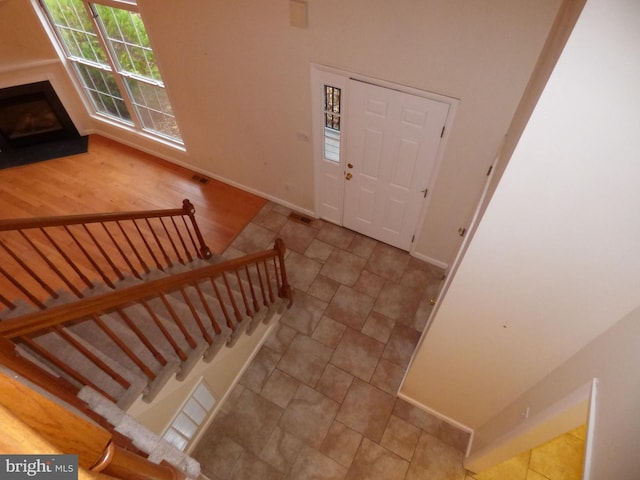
(441, 416)
(430, 260)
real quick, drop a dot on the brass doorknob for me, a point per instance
(349, 176)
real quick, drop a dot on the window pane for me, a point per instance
(153, 108)
(103, 91)
(130, 42)
(332, 123)
(110, 51)
(76, 30)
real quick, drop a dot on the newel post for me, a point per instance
(286, 290)
(190, 211)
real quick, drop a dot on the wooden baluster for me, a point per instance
(90, 258)
(223, 305)
(81, 379)
(232, 298)
(268, 281)
(104, 254)
(193, 240)
(91, 356)
(58, 386)
(190, 211)
(256, 305)
(146, 244)
(176, 319)
(243, 295)
(276, 274)
(29, 270)
(23, 289)
(195, 315)
(133, 248)
(143, 338)
(287, 290)
(67, 259)
(52, 266)
(159, 243)
(7, 303)
(265, 302)
(184, 245)
(205, 304)
(123, 346)
(164, 331)
(120, 251)
(173, 245)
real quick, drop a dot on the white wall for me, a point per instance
(238, 77)
(554, 262)
(613, 359)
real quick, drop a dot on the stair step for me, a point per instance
(124, 395)
(99, 339)
(157, 449)
(160, 361)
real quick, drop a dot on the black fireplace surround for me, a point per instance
(35, 126)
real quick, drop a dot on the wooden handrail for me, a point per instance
(18, 438)
(59, 426)
(69, 433)
(120, 463)
(30, 323)
(66, 220)
(57, 386)
(40, 256)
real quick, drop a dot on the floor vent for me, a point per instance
(298, 217)
(200, 179)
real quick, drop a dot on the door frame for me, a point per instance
(321, 75)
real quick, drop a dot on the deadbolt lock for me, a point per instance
(349, 165)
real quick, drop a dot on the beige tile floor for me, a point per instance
(319, 399)
(558, 459)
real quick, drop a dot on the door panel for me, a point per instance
(393, 140)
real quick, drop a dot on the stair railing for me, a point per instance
(35, 424)
(41, 256)
(241, 289)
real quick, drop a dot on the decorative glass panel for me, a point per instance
(332, 123)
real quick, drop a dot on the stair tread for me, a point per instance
(251, 306)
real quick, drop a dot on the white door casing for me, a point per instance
(394, 155)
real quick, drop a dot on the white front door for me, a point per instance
(392, 146)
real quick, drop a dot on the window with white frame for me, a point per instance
(191, 416)
(108, 48)
(332, 123)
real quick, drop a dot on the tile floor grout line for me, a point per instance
(396, 332)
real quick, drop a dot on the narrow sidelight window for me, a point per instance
(332, 123)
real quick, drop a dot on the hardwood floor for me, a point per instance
(114, 177)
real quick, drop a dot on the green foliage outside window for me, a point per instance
(122, 77)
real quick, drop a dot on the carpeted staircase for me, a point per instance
(129, 348)
(125, 335)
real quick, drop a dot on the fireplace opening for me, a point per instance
(35, 126)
